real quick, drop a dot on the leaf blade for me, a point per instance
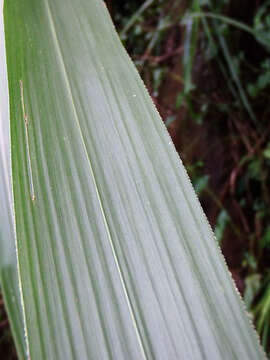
(128, 212)
(8, 263)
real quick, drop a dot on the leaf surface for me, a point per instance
(8, 264)
(116, 258)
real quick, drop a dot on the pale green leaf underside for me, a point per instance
(117, 260)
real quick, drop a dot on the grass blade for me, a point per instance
(192, 26)
(262, 38)
(135, 17)
(234, 74)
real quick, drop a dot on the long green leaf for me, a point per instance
(191, 38)
(135, 17)
(262, 38)
(116, 258)
(8, 264)
(234, 75)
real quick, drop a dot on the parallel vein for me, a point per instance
(68, 86)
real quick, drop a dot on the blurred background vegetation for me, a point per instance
(206, 64)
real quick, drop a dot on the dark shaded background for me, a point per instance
(210, 80)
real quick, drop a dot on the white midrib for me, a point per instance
(65, 75)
